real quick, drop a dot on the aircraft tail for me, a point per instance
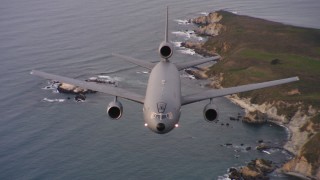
(166, 48)
(167, 19)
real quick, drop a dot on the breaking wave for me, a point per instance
(204, 13)
(188, 35)
(224, 177)
(187, 51)
(182, 21)
(53, 100)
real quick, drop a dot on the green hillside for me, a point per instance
(256, 50)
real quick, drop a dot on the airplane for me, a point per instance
(163, 99)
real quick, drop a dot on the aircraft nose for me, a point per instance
(161, 127)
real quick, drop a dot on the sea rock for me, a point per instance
(71, 89)
(80, 97)
(234, 174)
(255, 170)
(262, 147)
(264, 165)
(233, 118)
(248, 173)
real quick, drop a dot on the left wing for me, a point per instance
(93, 86)
(227, 91)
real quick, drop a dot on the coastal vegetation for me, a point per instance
(256, 50)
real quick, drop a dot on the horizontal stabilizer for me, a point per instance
(185, 65)
(115, 91)
(227, 91)
(138, 62)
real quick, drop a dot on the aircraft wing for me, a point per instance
(93, 86)
(185, 65)
(227, 91)
(138, 62)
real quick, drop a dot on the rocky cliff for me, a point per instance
(256, 169)
(211, 18)
(307, 159)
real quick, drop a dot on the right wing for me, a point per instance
(227, 91)
(93, 86)
(138, 62)
(184, 65)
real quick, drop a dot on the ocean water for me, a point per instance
(71, 140)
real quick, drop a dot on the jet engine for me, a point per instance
(114, 110)
(165, 50)
(210, 112)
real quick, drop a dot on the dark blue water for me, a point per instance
(69, 140)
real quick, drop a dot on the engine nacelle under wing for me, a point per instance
(165, 50)
(210, 112)
(115, 110)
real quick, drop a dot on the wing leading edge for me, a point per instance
(93, 86)
(188, 99)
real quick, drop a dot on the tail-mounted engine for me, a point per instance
(115, 109)
(210, 112)
(165, 50)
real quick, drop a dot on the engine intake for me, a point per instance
(210, 112)
(165, 50)
(114, 110)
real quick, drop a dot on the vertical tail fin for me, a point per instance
(166, 48)
(166, 34)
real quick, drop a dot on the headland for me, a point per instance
(256, 50)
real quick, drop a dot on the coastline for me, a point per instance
(296, 138)
(288, 143)
(272, 118)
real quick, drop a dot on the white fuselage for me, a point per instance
(163, 98)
